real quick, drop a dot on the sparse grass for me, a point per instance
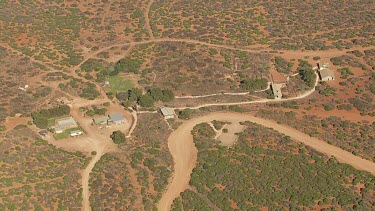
(51, 122)
(119, 84)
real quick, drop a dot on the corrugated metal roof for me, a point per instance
(167, 111)
(66, 121)
(116, 117)
(326, 73)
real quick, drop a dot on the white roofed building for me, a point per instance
(64, 123)
(276, 89)
(168, 113)
(325, 73)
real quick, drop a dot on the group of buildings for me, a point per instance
(68, 123)
(115, 118)
(63, 124)
(325, 74)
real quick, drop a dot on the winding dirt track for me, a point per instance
(86, 177)
(184, 152)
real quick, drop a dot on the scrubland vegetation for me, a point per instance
(15, 72)
(267, 169)
(138, 174)
(110, 185)
(275, 23)
(193, 69)
(36, 175)
(355, 137)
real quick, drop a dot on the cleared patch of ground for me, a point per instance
(229, 133)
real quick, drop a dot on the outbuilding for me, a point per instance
(168, 113)
(117, 118)
(325, 73)
(64, 123)
(276, 89)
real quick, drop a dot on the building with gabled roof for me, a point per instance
(326, 74)
(64, 123)
(167, 112)
(117, 118)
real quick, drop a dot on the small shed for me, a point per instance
(168, 113)
(102, 120)
(326, 74)
(276, 89)
(117, 118)
(75, 133)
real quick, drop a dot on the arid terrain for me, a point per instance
(177, 105)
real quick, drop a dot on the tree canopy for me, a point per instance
(118, 137)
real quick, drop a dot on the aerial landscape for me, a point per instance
(187, 105)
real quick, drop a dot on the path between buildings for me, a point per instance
(94, 140)
(304, 95)
(184, 152)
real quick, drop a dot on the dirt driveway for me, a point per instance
(184, 152)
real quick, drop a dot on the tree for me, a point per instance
(118, 137)
(185, 114)
(128, 64)
(282, 65)
(162, 95)
(122, 96)
(155, 93)
(168, 95)
(39, 120)
(135, 94)
(146, 101)
(307, 73)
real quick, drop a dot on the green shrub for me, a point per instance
(118, 137)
